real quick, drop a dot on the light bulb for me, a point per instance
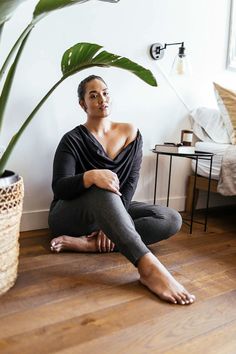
(180, 66)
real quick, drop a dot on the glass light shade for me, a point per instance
(180, 66)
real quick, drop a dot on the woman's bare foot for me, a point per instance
(78, 244)
(157, 278)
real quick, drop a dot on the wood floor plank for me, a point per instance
(34, 233)
(61, 286)
(74, 306)
(88, 262)
(221, 340)
(192, 253)
(164, 332)
(83, 328)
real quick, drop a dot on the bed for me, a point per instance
(212, 136)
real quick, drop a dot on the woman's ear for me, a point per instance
(83, 105)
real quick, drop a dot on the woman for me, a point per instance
(95, 174)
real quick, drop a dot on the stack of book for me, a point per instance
(175, 148)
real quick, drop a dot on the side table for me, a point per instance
(198, 155)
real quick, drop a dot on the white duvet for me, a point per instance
(203, 166)
(209, 127)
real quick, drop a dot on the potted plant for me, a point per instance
(75, 59)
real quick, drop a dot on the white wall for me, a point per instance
(127, 28)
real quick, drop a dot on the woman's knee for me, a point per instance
(103, 196)
(174, 220)
(170, 219)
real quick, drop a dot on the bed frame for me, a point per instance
(201, 184)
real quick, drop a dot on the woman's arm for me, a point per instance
(69, 184)
(66, 183)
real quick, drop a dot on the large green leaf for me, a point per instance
(7, 7)
(85, 55)
(45, 6)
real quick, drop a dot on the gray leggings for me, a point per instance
(98, 209)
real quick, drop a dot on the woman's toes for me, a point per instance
(173, 300)
(53, 249)
(182, 302)
(190, 299)
(56, 246)
(184, 299)
(55, 241)
(179, 299)
(169, 298)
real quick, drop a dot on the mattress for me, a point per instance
(204, 165)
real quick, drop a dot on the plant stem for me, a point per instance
(1, 29)
(14, 48)
(8, 82)
(16, 137)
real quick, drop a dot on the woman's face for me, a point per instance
(96, 102)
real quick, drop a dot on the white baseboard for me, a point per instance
(34, 220)
(38, 219)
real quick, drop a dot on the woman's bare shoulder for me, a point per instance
(129, 130)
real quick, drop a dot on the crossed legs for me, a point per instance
(99, 209)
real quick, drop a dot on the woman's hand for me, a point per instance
(104, 244)
(104, 179)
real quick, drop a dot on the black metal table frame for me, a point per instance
(198, 155)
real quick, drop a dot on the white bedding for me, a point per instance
(203, 165)
(227, 181)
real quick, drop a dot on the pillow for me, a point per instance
(208, 125)
(226, 100)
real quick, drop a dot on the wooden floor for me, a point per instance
(78, 303)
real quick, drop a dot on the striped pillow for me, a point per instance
(226, 100)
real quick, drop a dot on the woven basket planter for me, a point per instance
(11, 200)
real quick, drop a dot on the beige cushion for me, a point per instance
(226, 100)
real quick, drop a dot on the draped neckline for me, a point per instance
(97, 143)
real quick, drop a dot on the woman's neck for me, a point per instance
(99, 127)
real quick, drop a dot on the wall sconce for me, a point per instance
(180, 65)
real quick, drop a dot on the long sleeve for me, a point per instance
(130, 185)
(67, 183)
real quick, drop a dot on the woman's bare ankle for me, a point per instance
(146, 264)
